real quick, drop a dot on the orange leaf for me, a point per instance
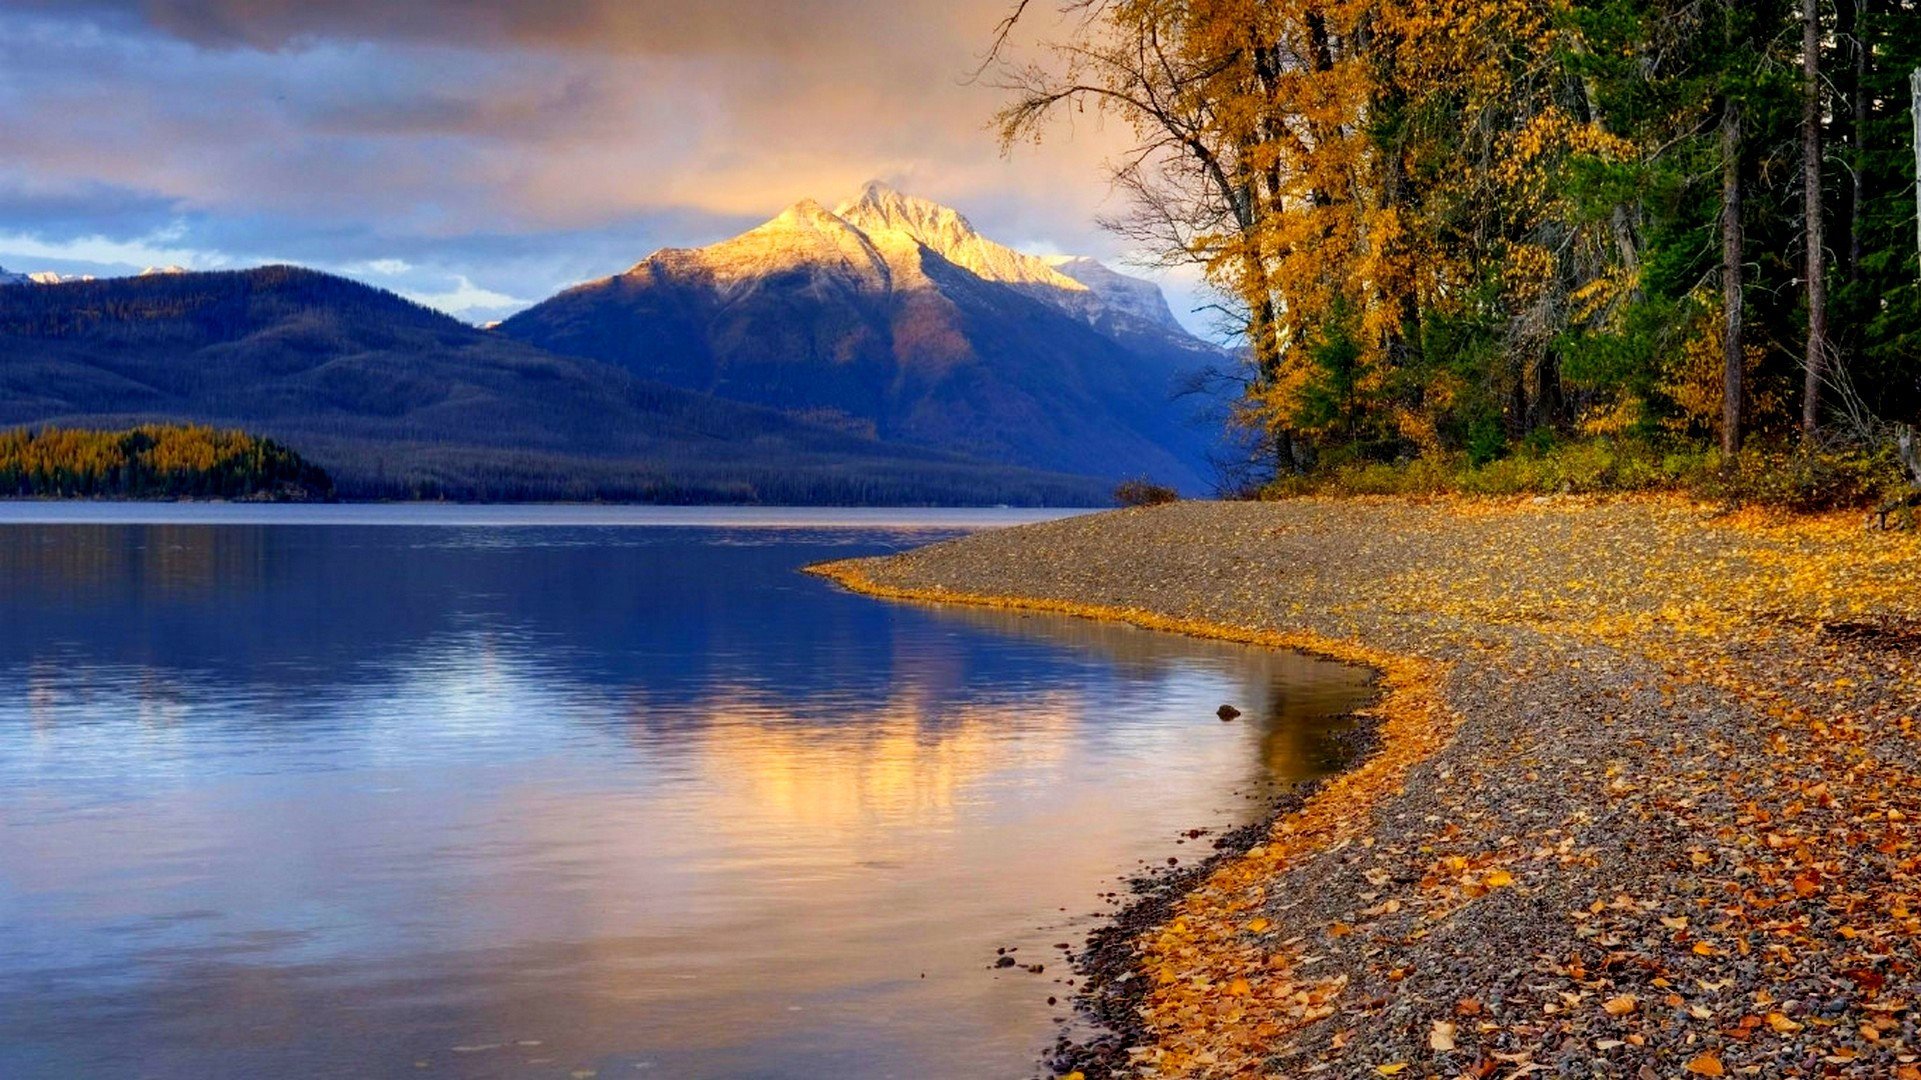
(1706, 1065)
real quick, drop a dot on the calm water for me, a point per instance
(532, 792)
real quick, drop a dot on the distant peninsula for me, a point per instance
(155, 461)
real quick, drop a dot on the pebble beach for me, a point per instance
(1644, 800)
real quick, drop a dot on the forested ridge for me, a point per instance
(154, 461)
(1473, 230)
(396, 401)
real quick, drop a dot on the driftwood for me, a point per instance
(1910, 453)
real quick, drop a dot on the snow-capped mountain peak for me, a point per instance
(805, 237)
(876, 243)
(947, 233)
(42, 277)
(894, 317)
(1119, 293)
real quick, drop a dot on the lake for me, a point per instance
(548, 791)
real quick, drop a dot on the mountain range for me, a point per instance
(893, 315)
(881, 352)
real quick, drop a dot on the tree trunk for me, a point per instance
(1817, 357)
(1517, 407)
(1846, 136)
(1547, 392)
(1733, 259)
(1619, 224)
(1914, 84)
(1863, 63)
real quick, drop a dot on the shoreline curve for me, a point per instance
(1203, 939)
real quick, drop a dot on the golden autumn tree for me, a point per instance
(1466, 227)
(1349, 172)
(1491, 126)
(1252, 162)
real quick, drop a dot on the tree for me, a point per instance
(1468, 226)
(1813, 226)
(1733, 258)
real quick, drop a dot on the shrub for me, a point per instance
(1144, 493)
(1777, 475)
(1790, 478)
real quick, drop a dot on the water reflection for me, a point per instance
(522, 802)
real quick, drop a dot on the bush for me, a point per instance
(1144, 493)
(1777, 475)
(1798, 481)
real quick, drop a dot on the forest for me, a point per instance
(1626, 239)
(154, 461)
(396, 401)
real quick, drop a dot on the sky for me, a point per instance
(480, 155)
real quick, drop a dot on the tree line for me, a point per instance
(1471, 227)
(154, 461)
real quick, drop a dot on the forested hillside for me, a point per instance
(154, 462)
(1473, 229)
(397, 401)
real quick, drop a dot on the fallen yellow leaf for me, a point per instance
(1706, 1065)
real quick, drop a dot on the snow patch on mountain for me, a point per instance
(804, 238)
(947, 233)
(1134, 297)
(878, 242)
(54, 277)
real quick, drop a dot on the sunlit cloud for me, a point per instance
(101, 250)
(470, 300)
(575, 138)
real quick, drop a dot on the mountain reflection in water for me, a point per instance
(472, 801)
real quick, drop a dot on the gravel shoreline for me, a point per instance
(1110, 992)
(1646, 802)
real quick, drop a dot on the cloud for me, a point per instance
(629, 27)
(380, 267)
(519, 145)
(469, 301)
(104, 251)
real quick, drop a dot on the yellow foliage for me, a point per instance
(1694, 376)
(1613, 418)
